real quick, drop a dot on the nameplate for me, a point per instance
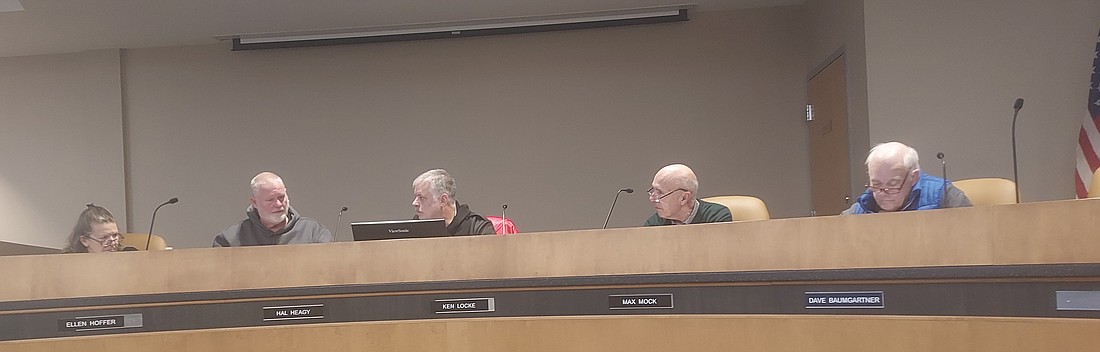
(299, 312)
(464, 305)
(853, 299)
(1077, 300)
(103, 322)
(647, 301)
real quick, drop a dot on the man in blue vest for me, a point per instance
(896, 183)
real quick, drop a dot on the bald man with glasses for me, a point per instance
(896, 183)
(673, 196)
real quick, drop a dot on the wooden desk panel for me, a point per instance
(1029, 233)
(1032, 233)
(624, 333)
(1029, 236)
(1027, 291)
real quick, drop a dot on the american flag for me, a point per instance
(1088, 140)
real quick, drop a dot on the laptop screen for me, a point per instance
(398, 229)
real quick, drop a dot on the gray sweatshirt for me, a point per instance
(251, 232)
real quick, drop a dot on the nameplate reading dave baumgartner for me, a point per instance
(856, 299)
(103, 322)
(300, 312)
(649, 301)
(464, 305)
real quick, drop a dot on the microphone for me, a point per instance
(1015, 164)
(627, 190)
(503, 219)
(339, 223)
(943, 189)
(174, 200)
(940, 156)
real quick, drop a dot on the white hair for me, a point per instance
(889, 150)
(263, 178)
(439, 182)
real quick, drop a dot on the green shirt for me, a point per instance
(704, 213)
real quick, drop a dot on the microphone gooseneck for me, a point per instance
(627, 190)
(1015, 164)
(149, 239)
(503, 219)
(339, 223)
(943, 189)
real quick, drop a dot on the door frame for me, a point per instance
(842, 51)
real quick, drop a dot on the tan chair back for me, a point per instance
(137, 240)
(988, 191)
(1094, 186)
(743, 208)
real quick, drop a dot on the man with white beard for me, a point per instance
(271, 219)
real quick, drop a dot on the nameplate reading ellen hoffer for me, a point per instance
(102, 322)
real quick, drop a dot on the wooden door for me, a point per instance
(829, 162)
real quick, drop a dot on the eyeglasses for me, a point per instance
(653, 192)
(112, 238)
(889, 190)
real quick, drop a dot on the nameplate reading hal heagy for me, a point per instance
(646, 301)
(102, 322)
(464, 305)
(849, 299)
(299, 312)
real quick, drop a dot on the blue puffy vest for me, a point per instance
(926, 194)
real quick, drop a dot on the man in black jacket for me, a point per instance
(433, 198)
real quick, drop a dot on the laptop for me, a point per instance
(398, 229)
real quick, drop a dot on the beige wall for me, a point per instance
(836, 27)
(60, 143)
(551, 124)
(943, 75)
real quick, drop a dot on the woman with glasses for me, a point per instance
(896, 183)
(95, 232)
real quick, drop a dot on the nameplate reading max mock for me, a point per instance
(305, 311)
(103, 322)
(856, 299)
(650, 301)
(464, 305)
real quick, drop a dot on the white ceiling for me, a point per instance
(55, 26)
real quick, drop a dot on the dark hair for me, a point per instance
(94, 214)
